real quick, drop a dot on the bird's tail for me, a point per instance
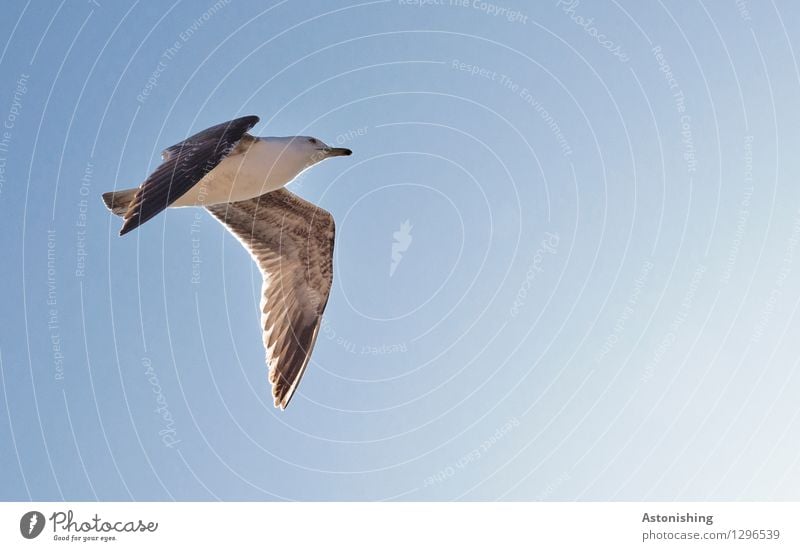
(118, 201)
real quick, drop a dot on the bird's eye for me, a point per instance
(312, 140)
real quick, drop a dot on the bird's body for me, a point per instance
(239, 178)
(255, 167)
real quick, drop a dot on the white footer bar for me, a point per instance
(401, 526)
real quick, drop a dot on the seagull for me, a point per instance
(240, 179)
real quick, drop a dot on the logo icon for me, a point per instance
(402, 240)
(31, 524)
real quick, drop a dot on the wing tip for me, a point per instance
(129, 225)
(249, 121)
(281, 399)
(282, 394)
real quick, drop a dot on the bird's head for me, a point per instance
(313, 150)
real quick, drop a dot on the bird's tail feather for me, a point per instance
(118, 201)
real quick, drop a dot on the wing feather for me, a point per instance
(291, 240)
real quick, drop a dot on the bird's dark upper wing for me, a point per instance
(291, 240)
(184, 165)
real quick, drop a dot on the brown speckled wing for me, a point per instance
(291, 240)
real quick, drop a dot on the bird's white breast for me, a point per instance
(265, 166)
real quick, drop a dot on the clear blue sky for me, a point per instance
(598, 293)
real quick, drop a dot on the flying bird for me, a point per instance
(240, 179)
